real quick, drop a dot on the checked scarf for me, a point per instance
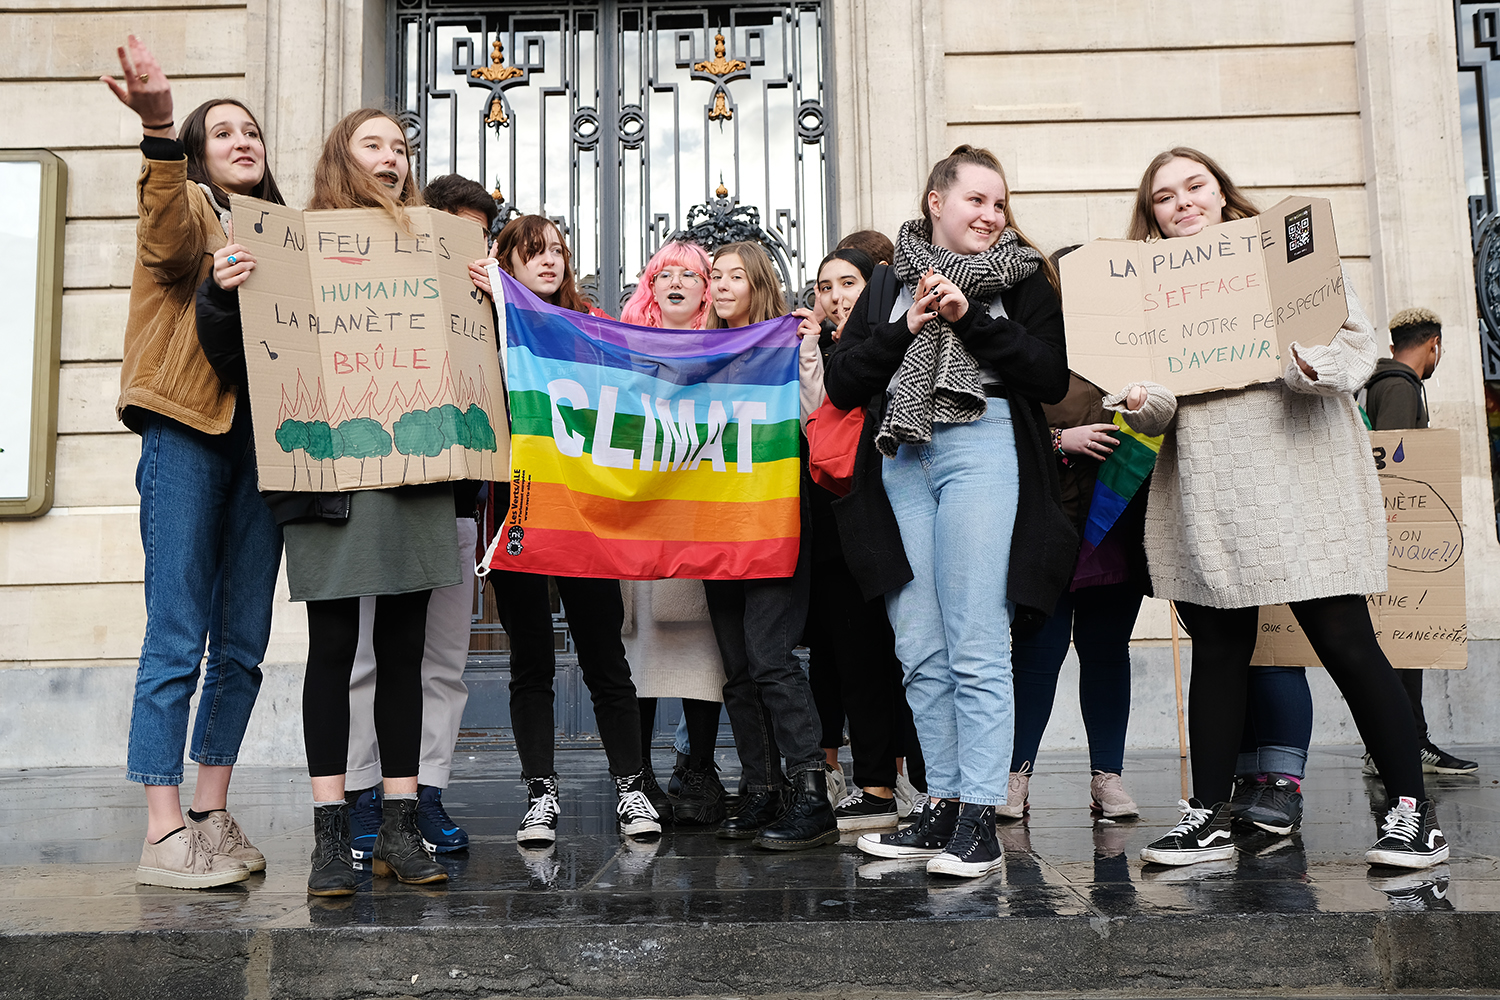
(938, 380)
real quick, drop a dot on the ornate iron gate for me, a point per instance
(625, 123)
(616, 118)
(1478, 36)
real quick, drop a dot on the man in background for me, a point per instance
(1394, 399)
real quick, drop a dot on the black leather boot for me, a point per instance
(701, 800)
(756, 811)
(808, 821)
(398, 848)
(332, 870)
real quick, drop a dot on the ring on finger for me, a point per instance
(233, 259)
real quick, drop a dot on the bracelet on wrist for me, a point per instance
(157, 128)
(1057, 447)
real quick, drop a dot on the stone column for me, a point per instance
(1419, 235)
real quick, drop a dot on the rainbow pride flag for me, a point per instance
(642, 454)
(1119, 479)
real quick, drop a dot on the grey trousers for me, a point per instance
(444, 693)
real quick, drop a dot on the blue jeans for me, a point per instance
(955, 501)
(1099, 621)
(1278, 723)
(212, 554)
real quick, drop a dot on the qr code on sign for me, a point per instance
(1299, 234)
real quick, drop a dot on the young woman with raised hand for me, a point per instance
(758, 623)
(954, 512)
(1267, 495)
(532, 250)
(672, 294)
(203, 524)
(395, 544)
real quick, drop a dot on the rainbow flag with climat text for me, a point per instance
(639, 453)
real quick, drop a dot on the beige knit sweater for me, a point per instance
(1267, 494)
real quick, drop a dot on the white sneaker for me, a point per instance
(838, 785)
(908, 799)
(1015, 799)
(539, 825)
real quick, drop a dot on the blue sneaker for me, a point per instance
(365, 814)
(439, 833)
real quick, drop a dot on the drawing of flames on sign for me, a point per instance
(406, 423)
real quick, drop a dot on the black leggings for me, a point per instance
(400, 636)
(1341, 634)
(702, 727)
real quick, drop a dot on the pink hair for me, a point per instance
(642, 309)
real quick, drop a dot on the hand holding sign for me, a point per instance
(232, 264)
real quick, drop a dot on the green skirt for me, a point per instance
(395, 541)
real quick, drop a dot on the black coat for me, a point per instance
(1027, 350)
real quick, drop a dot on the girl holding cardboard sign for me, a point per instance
(202, 521)
(1266, 495)
(393, 544)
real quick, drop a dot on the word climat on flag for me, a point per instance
(640, 453)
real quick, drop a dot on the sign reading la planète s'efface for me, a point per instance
(371, 356)
(1216, 310)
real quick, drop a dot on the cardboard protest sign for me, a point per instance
(371, 356)
(1218, 310)
(1421, 620)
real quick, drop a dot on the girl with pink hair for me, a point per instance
(671, 294)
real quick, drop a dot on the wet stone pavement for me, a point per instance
(688, 914)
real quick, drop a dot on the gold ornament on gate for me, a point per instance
(497, 71)
(721, 67)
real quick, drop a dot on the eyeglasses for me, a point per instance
(683, 276)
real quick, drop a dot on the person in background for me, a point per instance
(759, 622)
(531, 249)
(1395, 399)
(673, 294)
(1267, 495)
(202, 520)
(446, 652)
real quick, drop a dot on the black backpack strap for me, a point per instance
(884, 290)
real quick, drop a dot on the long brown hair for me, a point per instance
(767, 300)
(945, 173)
(1143, 220)
(195, 144)
(527, 235)
(340, 182)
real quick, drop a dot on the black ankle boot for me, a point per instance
(398, 848)
(701, 799)
(808, 821)
(756, 811)
(332, 870)
(679, 771)
(659, 799)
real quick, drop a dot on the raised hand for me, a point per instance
(146, 90)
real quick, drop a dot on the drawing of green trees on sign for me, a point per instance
(315, 439)
(364, 438)
(428, 433)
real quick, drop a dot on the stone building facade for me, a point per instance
(1353, 100)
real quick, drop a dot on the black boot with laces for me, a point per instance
(398, 848)
(332, 870)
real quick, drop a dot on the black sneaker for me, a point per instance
(440, 834)
(974, 850)
(860, 810)
(634, 813)
(365, 815)
(755, 812)
(1409, 837)
(1436, 760)
(701, 799)
(1203, 835)
(1243, 795)
(1277, 809)
(925, 838)
(539, 825)
(679, 771)
(660, 801)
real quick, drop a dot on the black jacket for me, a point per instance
(222, 339)
(1027, 350)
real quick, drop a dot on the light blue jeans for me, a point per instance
(955, 502)
(212, 554)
